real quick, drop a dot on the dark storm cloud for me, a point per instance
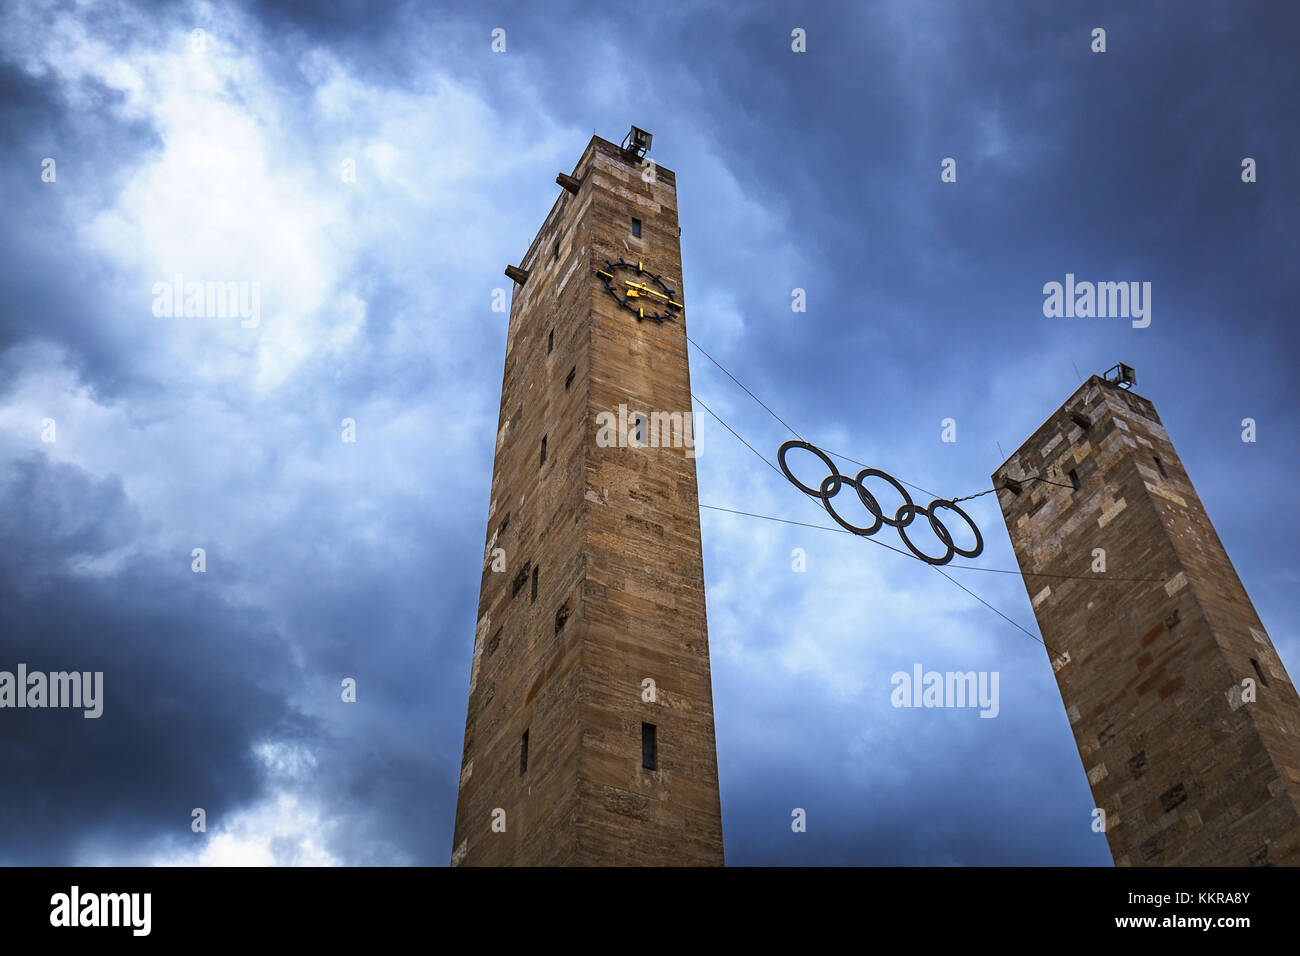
(190, 684)
(48, 293)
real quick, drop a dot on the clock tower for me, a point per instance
(589, 734)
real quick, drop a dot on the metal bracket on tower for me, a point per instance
(637, 142)
(1123, 375)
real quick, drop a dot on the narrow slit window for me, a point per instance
(568, 379)
(534, 597)
(1161, 468)
(1074, 480)
(523, 754)
(649, 747)
(543, 461)
(550, 342)
(1259, 673)
(555, 253)
(636, 228)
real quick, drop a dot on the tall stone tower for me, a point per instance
(1186, 721)
(589, 737)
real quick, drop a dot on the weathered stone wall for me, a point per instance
(613, 534)
(1151, 669)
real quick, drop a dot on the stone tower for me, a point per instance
(1185, 719)
(589, 737)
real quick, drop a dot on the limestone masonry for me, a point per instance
(1186, 721)
(572, 756)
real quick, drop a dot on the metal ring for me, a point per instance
(877, 473)
(873, 507)
(780, 457)
(979, 540)
(940, 532)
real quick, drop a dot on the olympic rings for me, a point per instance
(906, 513)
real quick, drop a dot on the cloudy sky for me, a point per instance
(222, 156)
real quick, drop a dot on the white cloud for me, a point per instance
(279, 831)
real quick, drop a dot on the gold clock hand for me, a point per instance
(643, 289)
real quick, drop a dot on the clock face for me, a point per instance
(640, 291)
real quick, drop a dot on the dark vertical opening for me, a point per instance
(550, 341)
(555, 254)
(568, 379)
(1259, 673)
(523, 754)
(520, 580)
(649, 747)
(534, 584)
(1161, 468)
(636, 228)
(1074, 480)
(543, 461)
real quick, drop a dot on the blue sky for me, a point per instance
(817, 170)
